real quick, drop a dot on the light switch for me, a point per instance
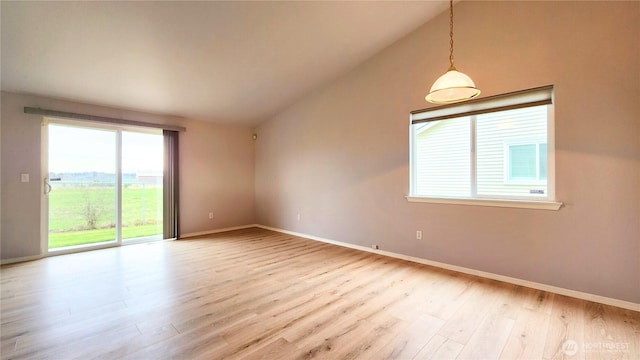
(24, 178)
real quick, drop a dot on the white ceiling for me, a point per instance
(238, 62)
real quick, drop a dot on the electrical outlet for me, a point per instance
(419, 235)
(298, 217)
(374, 246)
(211, 215)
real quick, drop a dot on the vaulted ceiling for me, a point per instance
(238, 62)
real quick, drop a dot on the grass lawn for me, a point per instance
(84, 215)
(72, 238)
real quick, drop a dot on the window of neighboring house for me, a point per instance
(526, 163)
(498, 148)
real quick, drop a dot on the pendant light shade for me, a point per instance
(453, 86)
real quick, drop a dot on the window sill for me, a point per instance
(522, 204)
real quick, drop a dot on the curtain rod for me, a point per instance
(69, 115)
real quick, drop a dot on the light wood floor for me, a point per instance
(256, 294)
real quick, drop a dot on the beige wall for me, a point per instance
(216, 171)
(340, 156)
(216, 174)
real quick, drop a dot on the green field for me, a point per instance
(84, 215)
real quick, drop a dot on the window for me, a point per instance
(485, 151)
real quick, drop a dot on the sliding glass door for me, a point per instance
(103, 185)
(81, 186)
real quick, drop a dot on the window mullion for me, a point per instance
(537, 161)
(119, 187)
(474, 187)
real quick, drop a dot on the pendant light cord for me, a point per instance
(451, 35)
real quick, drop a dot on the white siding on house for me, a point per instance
(494, 132)
(443, 158)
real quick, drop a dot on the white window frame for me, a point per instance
(520, 99)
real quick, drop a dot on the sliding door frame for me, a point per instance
(118, 129)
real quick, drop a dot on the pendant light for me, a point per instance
(453, 86)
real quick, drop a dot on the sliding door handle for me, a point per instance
(47, 186)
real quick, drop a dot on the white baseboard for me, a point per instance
(20, 259)
(215, 231)
(544, 287)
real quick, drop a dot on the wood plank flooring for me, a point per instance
(257, 294)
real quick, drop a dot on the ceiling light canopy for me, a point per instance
(453, 86)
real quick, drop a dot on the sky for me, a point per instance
(74, 149)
